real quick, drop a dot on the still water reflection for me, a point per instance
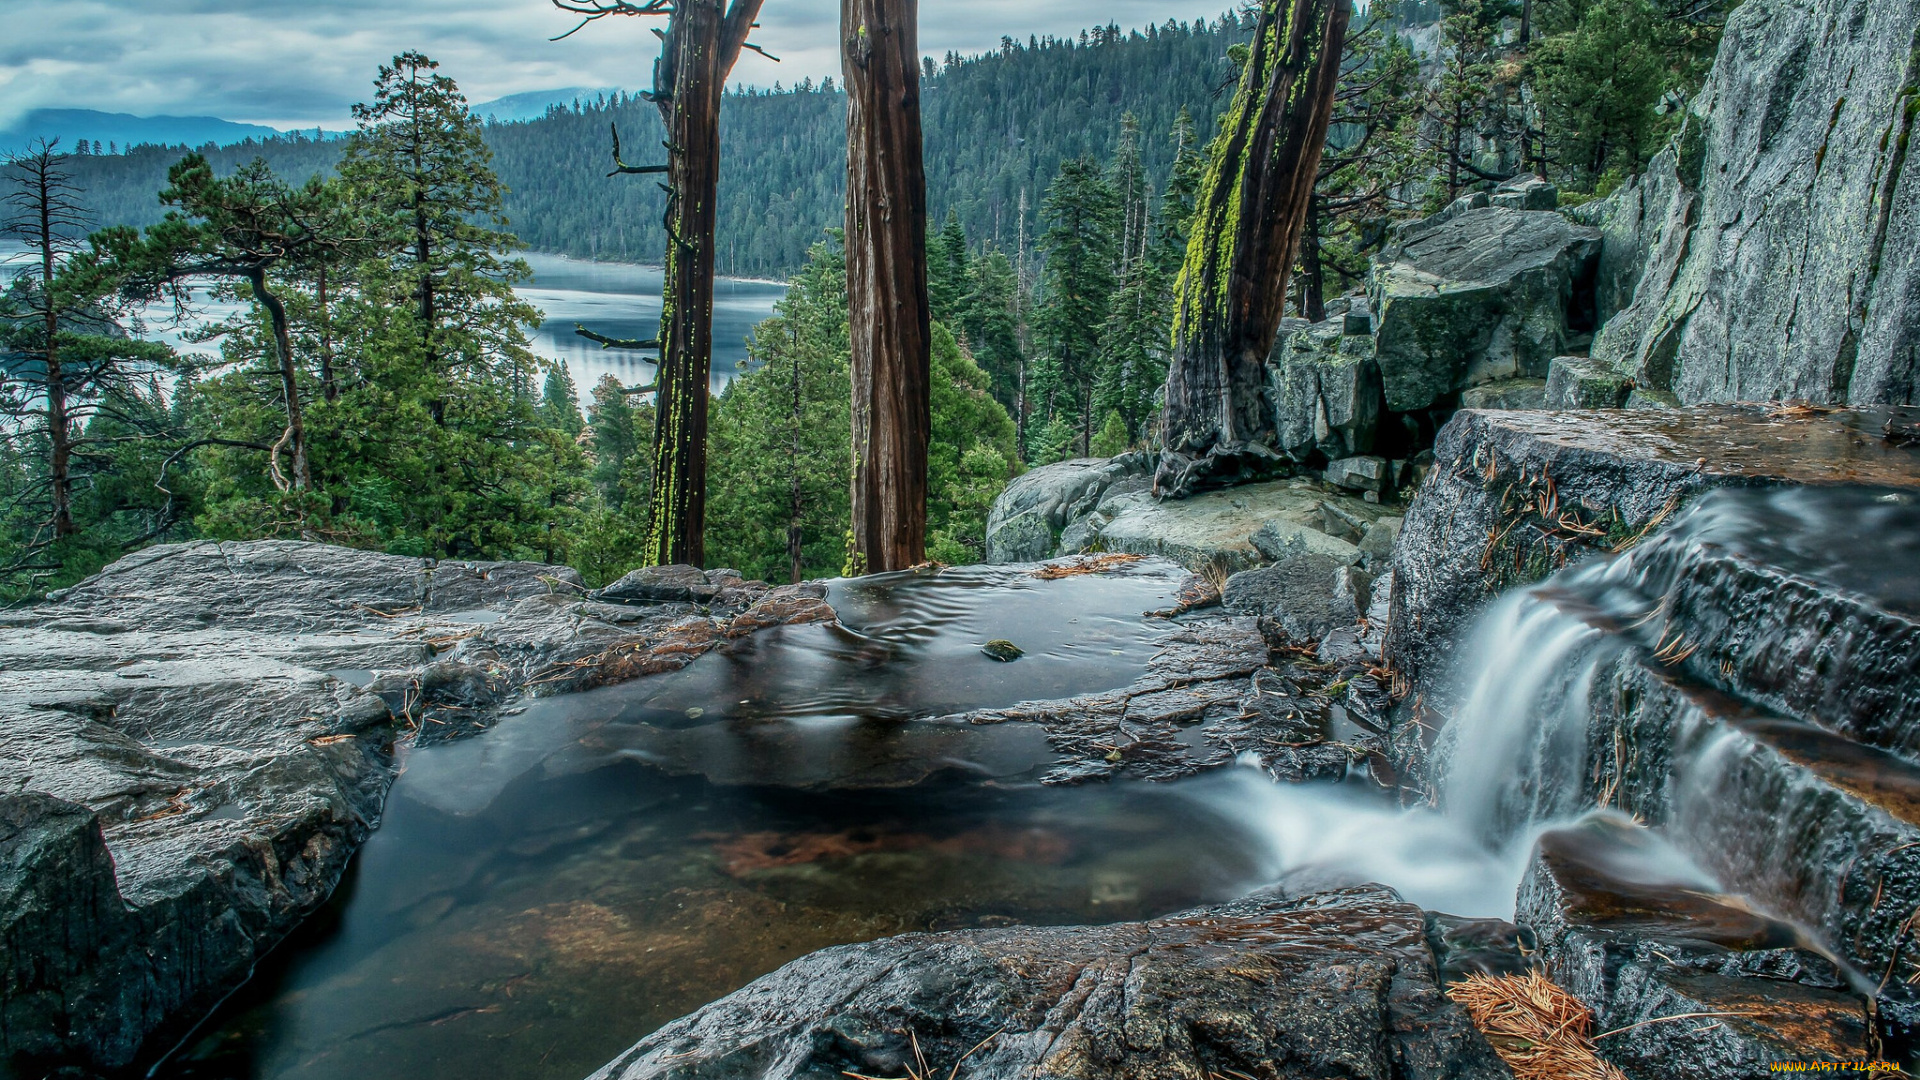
(544, 894)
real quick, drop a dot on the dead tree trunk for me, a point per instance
(1232, 287)
(887, 305)
(701, 42)
(295, 438)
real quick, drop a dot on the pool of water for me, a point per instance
(542, 895)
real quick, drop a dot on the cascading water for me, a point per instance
(1652, 683)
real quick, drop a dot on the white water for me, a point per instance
(1509, 765)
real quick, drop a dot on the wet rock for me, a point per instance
(1026, 518)
(1506, 394)
(1466, 947)
(188, 759)
(786, 605)
(1182, 717)
(1739, 293)
(1578, 382)
(1223, 527)
(1003, 650)
(1300, 592)
(1639, 951)
(1474, 297)
(1337, 983)
(166, 821)
(661, 584)
(1325, 389)
(1359, 474)
(1476, 526)
(287, 586)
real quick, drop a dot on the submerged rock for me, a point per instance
(1477, 296)
(1337, 983)
(1003, 650)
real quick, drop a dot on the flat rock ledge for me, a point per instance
(194, 742)
(1338, 983)
(1513, 496)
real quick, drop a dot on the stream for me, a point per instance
(543, 894)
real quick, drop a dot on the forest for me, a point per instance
(378, 390)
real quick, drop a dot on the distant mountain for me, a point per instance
(534, 104)
(121, 130)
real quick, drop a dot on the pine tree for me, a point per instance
(560, 403)
(1081, 246)
(947, 279)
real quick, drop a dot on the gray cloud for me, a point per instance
(304, 62)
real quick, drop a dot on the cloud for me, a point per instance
(305, 62)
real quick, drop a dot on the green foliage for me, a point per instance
(780, 459)
(1083, 216)
(1050, 442)
(1112, 439)
(996, 125)
(1600, 74)
(971, 455)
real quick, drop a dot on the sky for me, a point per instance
(303, 63)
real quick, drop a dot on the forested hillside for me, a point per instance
(997, 125)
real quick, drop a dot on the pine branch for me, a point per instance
(616, 343)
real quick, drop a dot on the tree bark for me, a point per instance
(296, 436)
(1313, 274)
(59, 437)
(1232, 288)
(701, 45)
(887, 301)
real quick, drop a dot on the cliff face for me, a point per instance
(1775, 250)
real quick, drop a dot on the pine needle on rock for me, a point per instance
(1086, 564)
(1540, 1031)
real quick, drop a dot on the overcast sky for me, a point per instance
(302, 63)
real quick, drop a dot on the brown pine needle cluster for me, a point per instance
(1540, 1031)
(1086, 564)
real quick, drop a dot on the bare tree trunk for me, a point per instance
(59, 435)
(702, 40)
(887, 282)
(1313, 274)
(1252, 203)
(296, 435)
(329, 388)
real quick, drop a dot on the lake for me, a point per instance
(616, 299)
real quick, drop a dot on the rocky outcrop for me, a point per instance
(1772, 250)
(1025, 521)
(1515, 495)
(194, 742)
(1325, 388)
(1475, 296)
(1336, 983)
(1091, 505)
(1639, 952)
